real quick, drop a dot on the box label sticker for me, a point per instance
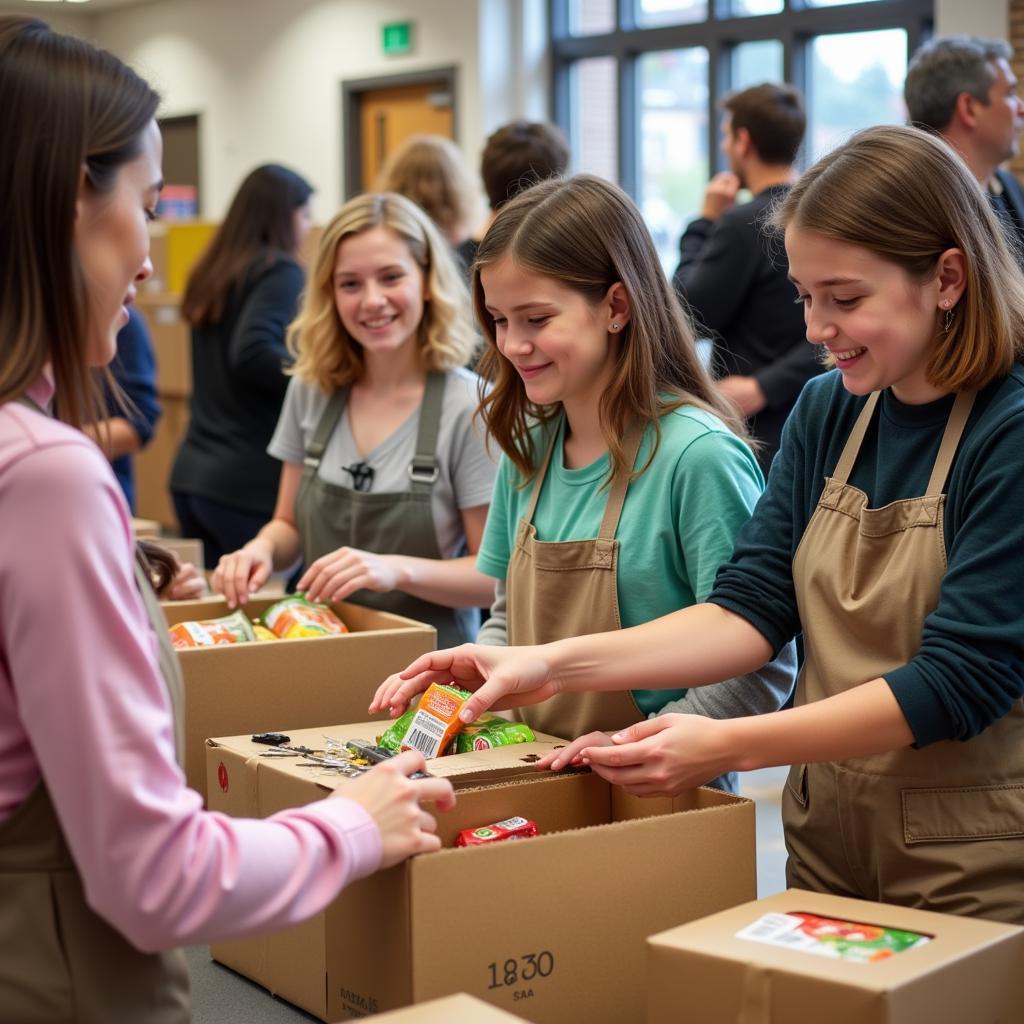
(830, 937)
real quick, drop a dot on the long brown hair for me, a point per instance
(325, 353)
(587, 234)
(260, 224)
(905, 196)
(66, 107)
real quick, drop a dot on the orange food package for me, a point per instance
(295, 617)
(436, 722)
(231, 629)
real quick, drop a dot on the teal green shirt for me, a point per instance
(678, 523)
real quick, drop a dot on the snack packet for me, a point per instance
(262, 633)
(231, 629)
(296, 617)
(490, 731)
(510, 828)
(431, 726)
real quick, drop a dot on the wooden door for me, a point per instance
(388, 116)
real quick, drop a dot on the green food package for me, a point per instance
(391, 738)
(431, 726)
(490, 731)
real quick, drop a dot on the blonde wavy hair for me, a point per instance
(325, 353)
(431, 171)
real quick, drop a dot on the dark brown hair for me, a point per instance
(66, 106)
(773, 115)
(905, 196)
(260, 225)
(588, 235)
(519, 155)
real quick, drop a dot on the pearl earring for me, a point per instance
(615, 327)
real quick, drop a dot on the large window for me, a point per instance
(638, 83)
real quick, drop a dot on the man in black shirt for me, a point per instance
(733, 274)
(964, 89)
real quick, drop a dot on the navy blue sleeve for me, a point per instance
(257, 349)
(970, 668)
(134, 369)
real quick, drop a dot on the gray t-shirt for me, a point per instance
(465, 469)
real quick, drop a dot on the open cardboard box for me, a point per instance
(552, 929)
(276, 686)
(969, 972)
(459, 1009)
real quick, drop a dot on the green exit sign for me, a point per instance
(397, 38)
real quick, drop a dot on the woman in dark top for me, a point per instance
(240, 298)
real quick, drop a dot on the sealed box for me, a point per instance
(799, 956)
(550, 928)
(172, 343)
(450, 1010)
(287, 684)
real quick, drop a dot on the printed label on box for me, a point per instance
(826, 936)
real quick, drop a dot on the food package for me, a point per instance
(510, 828)
(231, 629)
(431, 726)
(261, 631)
(490, 731)
(295, 617)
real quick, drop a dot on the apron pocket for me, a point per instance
(796, 783)
(953, 814)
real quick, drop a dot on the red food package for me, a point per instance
(511, 828)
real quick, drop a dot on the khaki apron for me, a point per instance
(330, 516)
(939, 828)
(61, 963)
(560, 589)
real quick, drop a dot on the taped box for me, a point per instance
(287, 684)
(807, 956)
(450, 1010)
(551, 929)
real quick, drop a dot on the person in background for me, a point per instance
(625, 476)
(385, 479)
(108, 861)
(516, 156)
(964, 89)
(240, 297)
(890, 533)
(431, 171)
(130, 424)
(733, 276)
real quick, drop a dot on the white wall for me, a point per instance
(989, 19)
(266, 75)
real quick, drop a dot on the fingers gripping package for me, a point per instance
(434, 727)
(298, 617)
(231, 629)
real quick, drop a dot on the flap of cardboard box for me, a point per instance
(444, 1011)
(758, 934)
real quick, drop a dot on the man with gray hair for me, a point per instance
(964, 89)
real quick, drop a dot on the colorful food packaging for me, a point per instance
(262, 633)
(431, 726)
(510, 828)
(231, 629)
(490, 731)
(829, 937)
(296, 617)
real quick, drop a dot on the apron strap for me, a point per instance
(951, 437)
(329, 419)
(620, 484)
(423, 471)
(844, 466)
(542, 472)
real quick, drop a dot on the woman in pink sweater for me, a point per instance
(107, 859)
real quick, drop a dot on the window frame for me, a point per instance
(795, 26)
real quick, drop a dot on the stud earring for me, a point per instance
(615, 327)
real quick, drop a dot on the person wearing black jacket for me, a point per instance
(240, 299)
(733, 274)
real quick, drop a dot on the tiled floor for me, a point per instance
(219, 995)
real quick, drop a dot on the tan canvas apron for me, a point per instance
(60, 963)
(941, 828)
(330, 516)
(559, 589)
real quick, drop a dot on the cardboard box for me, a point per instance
(969, 972)
(552, 929)
(174, 248)
(186, 549)
(172, 343)
(146, 527)
(450, 1010)
(288, 684)
(153, 464)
